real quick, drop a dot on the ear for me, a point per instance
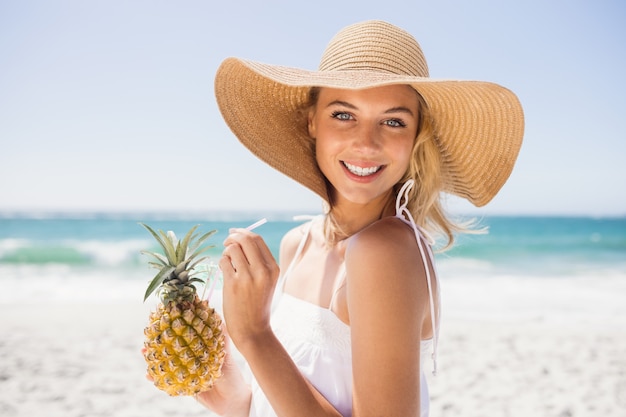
(311, 124)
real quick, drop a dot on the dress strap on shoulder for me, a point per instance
(278, 291)
(341, 282)
(403, 213)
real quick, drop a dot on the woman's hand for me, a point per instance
(250, 274)
(230, 396)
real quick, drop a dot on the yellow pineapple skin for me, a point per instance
(184, 346)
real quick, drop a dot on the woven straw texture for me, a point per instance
(479, 125)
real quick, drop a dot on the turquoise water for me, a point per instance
(548, 245)
(538, 246)
(97, 257)
(106, 240)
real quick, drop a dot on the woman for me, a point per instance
(342, 327)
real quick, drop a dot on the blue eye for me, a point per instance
(395, 123)
(341, 115)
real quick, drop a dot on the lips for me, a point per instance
(362, 171)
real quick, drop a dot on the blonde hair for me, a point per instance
(425, 168)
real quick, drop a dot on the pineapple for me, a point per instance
(184, 343)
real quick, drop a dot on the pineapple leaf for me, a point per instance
(168, 247)
(175, 260)
(177, 250)
(162, 239)
(157, 281)
(156, 265)
(181, 248)
(196, 243)
(160, 258)
(199, 251)
(196, 273)
(152, 232)
(197, 261)
(206, 236)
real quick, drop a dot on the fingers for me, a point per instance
(250, 276)
(248, 267)
(233, 259)
(247, 250)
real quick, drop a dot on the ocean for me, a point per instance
(97, 257)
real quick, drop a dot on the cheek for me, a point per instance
(409, 154)
(403, 152)
(403, 158)
(326, 154)
(321, 152)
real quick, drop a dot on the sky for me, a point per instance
(109, 106)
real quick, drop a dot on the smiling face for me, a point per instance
(364, 139)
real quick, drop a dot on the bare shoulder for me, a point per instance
(289, 243)
(383, 261)
(387, 299)
(389, 239)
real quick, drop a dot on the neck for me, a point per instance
(351, 217)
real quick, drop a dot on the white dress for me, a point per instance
(319, 344)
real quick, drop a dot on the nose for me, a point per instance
(367, 138)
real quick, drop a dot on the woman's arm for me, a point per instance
(282, 382)
(250, 275)
(387, 298)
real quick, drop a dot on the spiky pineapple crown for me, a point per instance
(176, 276)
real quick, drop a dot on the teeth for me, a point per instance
(361, 172)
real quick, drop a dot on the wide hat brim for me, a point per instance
(479, 126)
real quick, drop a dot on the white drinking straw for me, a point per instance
(213, 270)
(212, 274)
(257, 224)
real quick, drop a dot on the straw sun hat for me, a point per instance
(478, 125)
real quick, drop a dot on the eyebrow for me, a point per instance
(399, 109)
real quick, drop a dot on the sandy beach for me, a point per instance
(61, 358)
